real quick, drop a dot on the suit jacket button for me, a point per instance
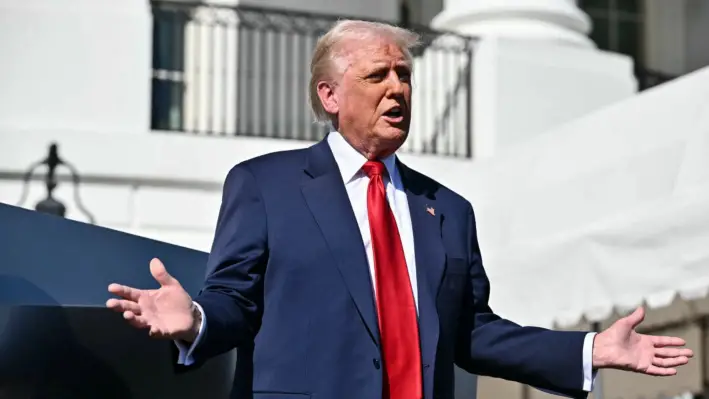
(377, 364)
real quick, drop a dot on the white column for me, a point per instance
(75, 65)
(534, 68)
(549, 20)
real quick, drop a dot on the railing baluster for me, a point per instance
(196, 82)
(249, 44)
(200, 87)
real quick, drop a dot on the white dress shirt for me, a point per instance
(350, 163)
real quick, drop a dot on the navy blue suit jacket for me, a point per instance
(288, 284)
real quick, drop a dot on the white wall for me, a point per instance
(164, 186)
(75, 64)
(523, 88)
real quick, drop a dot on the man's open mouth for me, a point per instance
(395, 114)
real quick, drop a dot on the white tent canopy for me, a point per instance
(602, 214)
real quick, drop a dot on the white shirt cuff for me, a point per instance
(589, 374)
(185, 355)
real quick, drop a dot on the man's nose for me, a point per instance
(396, 86)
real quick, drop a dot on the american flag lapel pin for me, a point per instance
(431, 211)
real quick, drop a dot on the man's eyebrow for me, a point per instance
(402, 63)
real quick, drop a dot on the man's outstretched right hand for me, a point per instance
(168, 312)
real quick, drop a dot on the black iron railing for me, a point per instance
(648, 78)
(244, 71)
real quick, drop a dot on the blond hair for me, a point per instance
(328, 58)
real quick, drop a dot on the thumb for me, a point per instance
(635, 318)
(160, 274)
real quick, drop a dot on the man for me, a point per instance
(340, 272)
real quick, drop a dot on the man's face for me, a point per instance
(373, 97)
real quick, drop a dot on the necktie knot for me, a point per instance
(373, 168)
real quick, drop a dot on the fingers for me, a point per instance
(135, 320)
(123, 305)
(138, 321)
(670, 362)
(160, 274)
(667, 359)
(660, 342)
(132, 314)
(660, 371)
(124, 291)
(674, 352)
(157, 333)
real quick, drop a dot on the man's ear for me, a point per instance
(326, 92)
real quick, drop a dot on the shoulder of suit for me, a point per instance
(430, 184)
(274, 162)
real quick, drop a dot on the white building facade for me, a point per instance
(153, 102)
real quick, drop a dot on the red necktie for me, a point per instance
(398, 322)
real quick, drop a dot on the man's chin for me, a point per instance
(392, 138)
(395, 132)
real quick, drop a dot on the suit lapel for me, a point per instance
(426, 222)
(327, 200)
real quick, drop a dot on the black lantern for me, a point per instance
(50, 204)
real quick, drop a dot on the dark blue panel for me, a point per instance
(72, 263)
(57, 338)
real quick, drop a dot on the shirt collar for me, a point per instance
(350, 161)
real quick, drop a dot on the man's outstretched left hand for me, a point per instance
(621, 347)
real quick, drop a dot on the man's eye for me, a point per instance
(378, 75)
